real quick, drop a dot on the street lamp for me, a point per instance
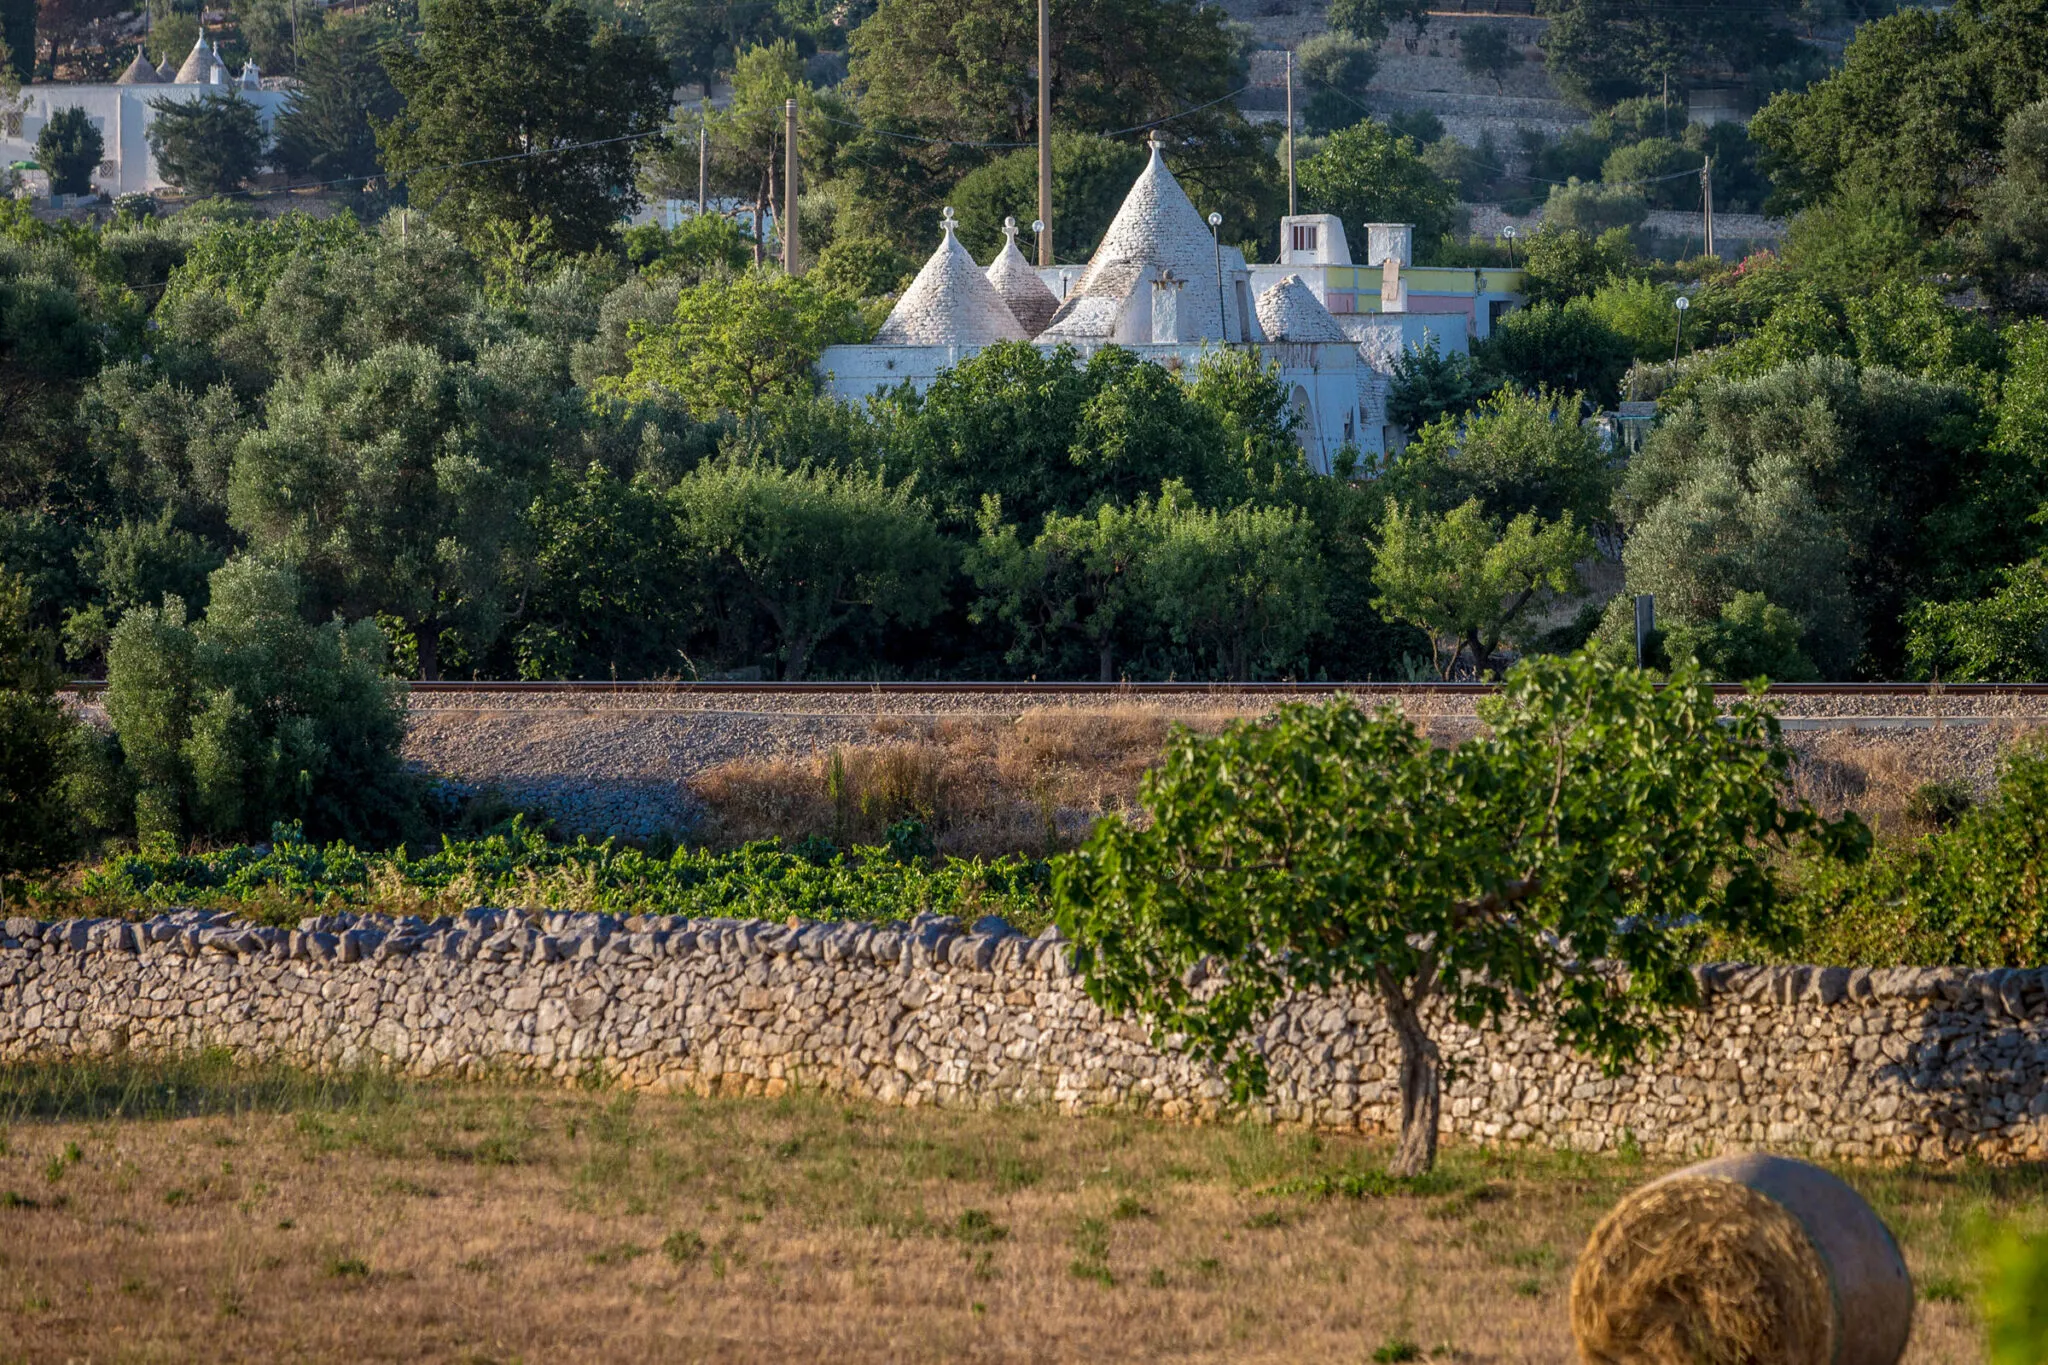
(1037, 232)
(1216, 240)
(1681, 305)
(1509, 233)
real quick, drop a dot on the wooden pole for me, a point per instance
(1290, 132)
(792, 262)
(1707, 187)
(703, 153)
(1045, 131)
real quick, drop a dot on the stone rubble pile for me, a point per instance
(1859, 1064)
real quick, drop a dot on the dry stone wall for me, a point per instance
(1933, 1064)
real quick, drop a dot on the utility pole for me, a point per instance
(1707, 202)
(1290, 135)
(791, 264)
(703, 153)
(1045, 132)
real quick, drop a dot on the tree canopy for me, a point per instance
(522, 111)
(1602, 820)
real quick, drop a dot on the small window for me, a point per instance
(1304, 237)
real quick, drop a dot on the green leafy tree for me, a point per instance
(275, 32)
(1090, 177)
(1469, 580)
(54, 329)
(1372, 20)
(862, 268)
(1999, 637)
(1514, 452)
(1324, 849)
(211, 145)
(517, 110)
(1603, 51)
(17, 41)
(1367, 174)
(1566, 347)
(327, 131)
(737, 341)
(1562, 264)
(1644, 313)
(611, 593)
(1916, 111)
(702, 244)
(963, 72)
(1593, 209)
(1334, 69)
(702, 38)
(1751, 638)
(395, 485)
(250, 716)
(1240, 590)
(808, 553)
(1663, 172)
(38, 746)
(1072, 596)
(747, 135)
(1429, 384)
(134, 564)
(2008, 247)
(69, 148)
(1488, 50)
(1828, 487)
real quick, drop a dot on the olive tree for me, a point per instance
(1562, 865)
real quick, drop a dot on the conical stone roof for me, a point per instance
(1157, 226)
(950, 303)
(139, 72)
(199, 64)
(1021, 288)
(1290, 312)
(165, 72)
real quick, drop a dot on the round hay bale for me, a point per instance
(1743, 1260)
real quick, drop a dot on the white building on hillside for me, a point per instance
(122, 114)
(1162, 285)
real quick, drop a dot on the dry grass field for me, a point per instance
(193, 1211)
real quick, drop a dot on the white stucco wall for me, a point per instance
(122, 115)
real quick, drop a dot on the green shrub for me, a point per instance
(251, 716)
(1972, 893)
(38, 742)
(2015, 1303)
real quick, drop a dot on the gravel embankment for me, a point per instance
(619, 763)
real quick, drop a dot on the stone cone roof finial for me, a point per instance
(1159, 228)
(139, 71)
(1020, 285)
(950, 303)
(199, 65)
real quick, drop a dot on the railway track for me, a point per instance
(601, 687)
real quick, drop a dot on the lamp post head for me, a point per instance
(1682, 304)
(1037, 225)
(1508, 232)
(1215, 221)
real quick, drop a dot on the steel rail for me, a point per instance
(602, 687)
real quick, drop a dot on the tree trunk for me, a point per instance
(1108, 673)
(1421, 1092)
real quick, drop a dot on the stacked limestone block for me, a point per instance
(1933, 1064)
